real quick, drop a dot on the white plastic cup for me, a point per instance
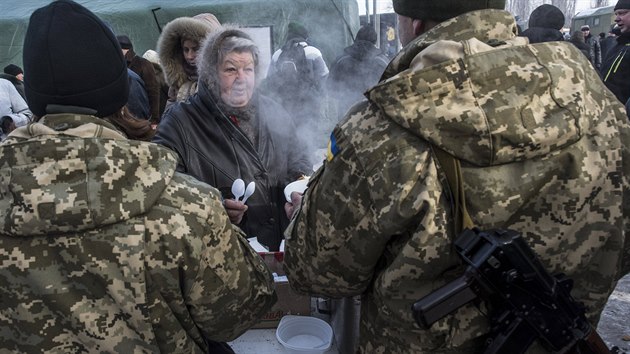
(304, 334)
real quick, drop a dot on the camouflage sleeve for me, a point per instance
(354, 205)
(624, 130)
(324, 250)
(226, 285)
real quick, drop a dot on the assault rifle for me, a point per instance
(527, 303)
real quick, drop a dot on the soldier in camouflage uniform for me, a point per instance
(543, 148)
(103, 246)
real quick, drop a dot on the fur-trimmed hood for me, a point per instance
(208, 57)
(170, 50)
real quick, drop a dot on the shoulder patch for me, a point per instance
(333, 149)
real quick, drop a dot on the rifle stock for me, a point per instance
(527, 303)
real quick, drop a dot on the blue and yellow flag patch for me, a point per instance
(333, 149)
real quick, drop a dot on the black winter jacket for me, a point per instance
(359, 68)
(616, 68)
(214, 150)
(542, 34)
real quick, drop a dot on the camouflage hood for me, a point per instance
(483, 105)
(73, 173)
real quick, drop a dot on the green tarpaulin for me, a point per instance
(331, 23)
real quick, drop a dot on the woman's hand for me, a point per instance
(296, 200)
(235, 210)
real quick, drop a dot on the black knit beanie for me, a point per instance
(13, 69)
(73, 59)
(546, 16)
(622, 4)
(442, 10)
(296, 30)
(124, 41)
(367, 33)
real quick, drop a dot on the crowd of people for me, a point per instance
(122, 231)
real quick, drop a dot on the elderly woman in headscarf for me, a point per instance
(229, 131)
(177, 47)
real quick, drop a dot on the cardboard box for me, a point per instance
(289, 302)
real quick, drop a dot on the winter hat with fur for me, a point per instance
(169, 46)
(73, 59)
(208, 57)
(443, 10)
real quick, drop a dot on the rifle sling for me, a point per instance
(452, 169)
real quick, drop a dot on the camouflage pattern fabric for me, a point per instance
(543, 146)
(104, 248)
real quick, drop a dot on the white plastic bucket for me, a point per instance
(304, 334)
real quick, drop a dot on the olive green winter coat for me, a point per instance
(105, 248)
(544, 151)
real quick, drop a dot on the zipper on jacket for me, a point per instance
(617, 62)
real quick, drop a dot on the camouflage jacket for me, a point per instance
(105, 248)
(543, 149)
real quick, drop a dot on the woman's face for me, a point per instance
(190, 49)
(237, 78)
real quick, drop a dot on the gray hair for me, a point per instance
(216, 47)
(239, 45)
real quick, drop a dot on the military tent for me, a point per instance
(331, 23)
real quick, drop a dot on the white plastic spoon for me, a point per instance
(238, 188)
(251, 187)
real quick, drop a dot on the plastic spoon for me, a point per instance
(238, 188)
(251, 187)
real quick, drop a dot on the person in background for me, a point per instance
(177, 47)
(376, 219)
(544, 25)
(132, 127)
(152, 56)
(610, 41)
(357, 69)
(108, 248)
(296, 78)
(616, 68)
(7, 125)
(138, 103)
(594, 49)
(577, 39)
(14, 74)
(14, 111)
(145, 70)
(228, 130)
(14, 70)
(132, 119)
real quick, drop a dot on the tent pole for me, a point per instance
(374, 12)
(155, 18)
